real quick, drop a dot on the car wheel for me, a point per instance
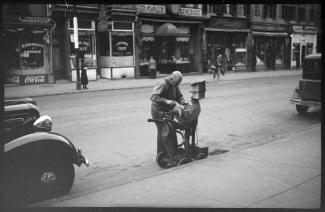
(301, 109)
(160, 159)
(39, 177)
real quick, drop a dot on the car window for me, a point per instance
(312, 66)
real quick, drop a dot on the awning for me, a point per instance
(170, 21)
(225, 30)
(273, 34)
(167, 29)
(148, 39)
(182, 39)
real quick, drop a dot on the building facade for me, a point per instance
(270, 37)
(227, 32)
(27, 44)
(304, 30)
(116, 43)
(172, 34)
(117, 40)
(63, 51)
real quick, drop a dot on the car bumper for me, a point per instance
(299, 101)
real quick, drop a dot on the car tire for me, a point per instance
(301, 109)
(42, 177)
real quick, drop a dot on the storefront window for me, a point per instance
(24, 49)
(86, 46)
(122, 44)
(260, 51)
(147, 49)
(309, 48)
(241, 57)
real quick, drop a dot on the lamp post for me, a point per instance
(76, 46)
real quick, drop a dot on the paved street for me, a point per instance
(111, 128)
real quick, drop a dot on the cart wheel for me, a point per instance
(201, 156)
(301, 109)
(184, 161)
(159, 159)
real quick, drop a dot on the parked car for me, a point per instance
(308, 93)
(37, 163)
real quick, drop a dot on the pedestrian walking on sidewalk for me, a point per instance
(84, 77)
(163, 98)
(152, 68)
(218, 65)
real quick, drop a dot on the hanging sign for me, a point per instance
(34, 20)
(153, 9)
(190, 12)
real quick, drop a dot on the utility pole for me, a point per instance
(76, 46)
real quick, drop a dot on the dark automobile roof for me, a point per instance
(313, 56)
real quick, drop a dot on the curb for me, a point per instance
(149, 86)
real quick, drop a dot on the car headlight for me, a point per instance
(43, 123)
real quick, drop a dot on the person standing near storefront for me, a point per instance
(218, 63)
(152, 67)
(84, 77)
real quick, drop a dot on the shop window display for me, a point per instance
(86, 45)
(309, 48)
(24, 48)
(260, 52)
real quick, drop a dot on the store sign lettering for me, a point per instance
(122, 45)
(154, 9)
(221, 22)
(32, 54)
(84, 45)
(305, 29)
(268, 28)
(190, 12)
(26, 79)
(33, 79)
(34, 20)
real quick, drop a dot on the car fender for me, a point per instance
(42, 141)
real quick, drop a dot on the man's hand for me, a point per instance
(171, 103)
(184, 103)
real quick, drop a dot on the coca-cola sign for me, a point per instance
(33, 79)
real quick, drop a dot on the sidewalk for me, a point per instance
(16, 91)
(285, 173)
